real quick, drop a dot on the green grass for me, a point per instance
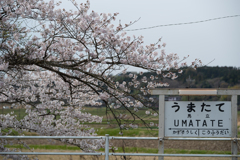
(49, 147)
(181, 151)
(167, 151)
(101, 111)
(114, 123)
(139, 132)
(15, 133)
(20, 113)
(127, 149)
(6, 130)
(111, 129)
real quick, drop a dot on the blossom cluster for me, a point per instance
(65, 61)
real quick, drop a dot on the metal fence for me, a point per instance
(107, 138)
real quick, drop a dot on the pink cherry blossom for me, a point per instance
(65, 60)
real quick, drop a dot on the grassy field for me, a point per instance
(70, 157)
(127, 149)
(20, 113)
(113, 130)
(109, 126)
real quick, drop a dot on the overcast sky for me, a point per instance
(218, 39)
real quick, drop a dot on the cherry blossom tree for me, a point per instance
(56, 61)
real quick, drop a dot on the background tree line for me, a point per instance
(202, 77)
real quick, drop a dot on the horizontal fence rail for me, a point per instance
(50, 153)
(173, 155)
(173, 138)
(116, 137)
(53, 137)
(107, 138)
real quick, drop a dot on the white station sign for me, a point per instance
(198, 119)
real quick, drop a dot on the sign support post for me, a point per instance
(161, 126)
(234, 144)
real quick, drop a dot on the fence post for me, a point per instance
(234, 126)
(106, 146)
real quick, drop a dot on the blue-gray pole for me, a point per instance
(106, 146)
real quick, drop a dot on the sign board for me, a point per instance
(198, 119)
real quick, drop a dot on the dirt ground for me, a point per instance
(188, 145)
(69, 157)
